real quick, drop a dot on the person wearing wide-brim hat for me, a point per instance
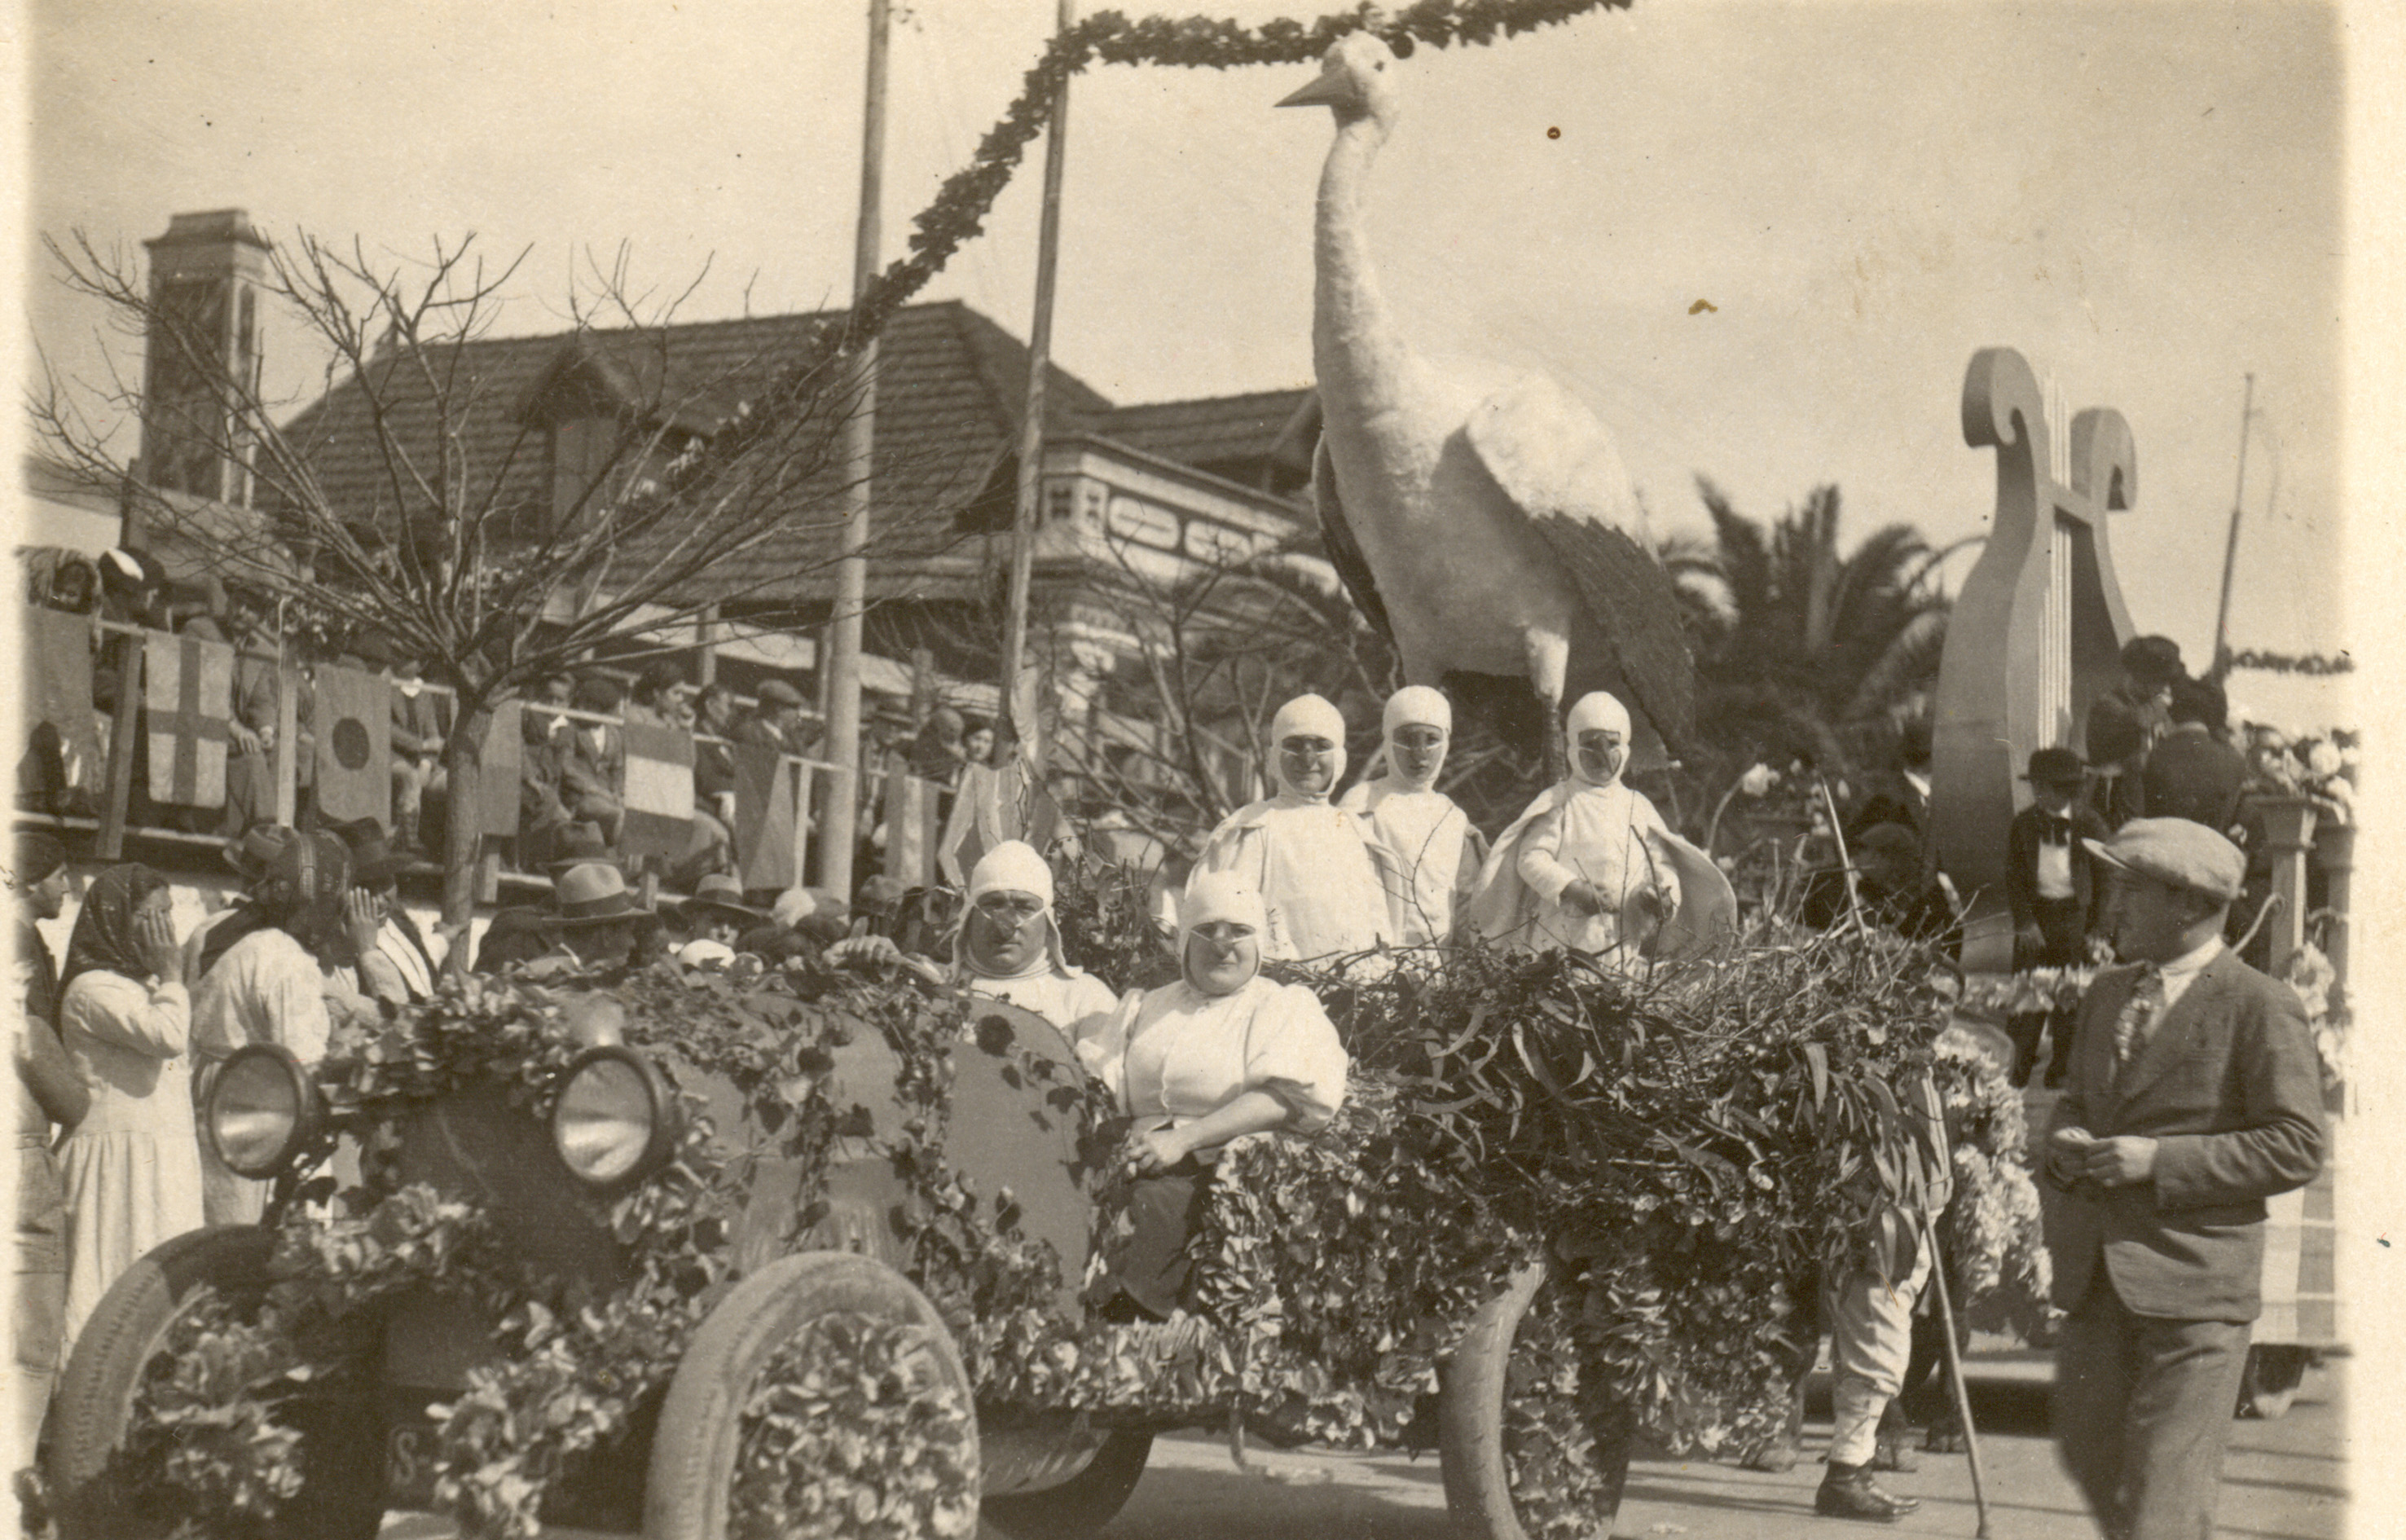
(252, 855)
(2052, 885)
(715, 918)
(595, 923)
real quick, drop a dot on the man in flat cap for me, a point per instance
(2194, 1095)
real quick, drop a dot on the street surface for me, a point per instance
(2283, 1480)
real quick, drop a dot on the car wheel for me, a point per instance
(1507, 1354)
(1078, 1506)
(342, 1437)
(708, 1419)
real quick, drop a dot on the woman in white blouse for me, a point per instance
(132, 1166)
(1221, 1054)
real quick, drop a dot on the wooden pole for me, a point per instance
(1029, 514)
(860, 440)
(1955, 1375)
(2230, 546)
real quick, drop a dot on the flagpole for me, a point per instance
(2230, 546)
(843, 663)
(1028, 515)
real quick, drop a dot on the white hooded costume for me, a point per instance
(1070, 999)
(1586, 828)
(1323, 872)
(1440, 853)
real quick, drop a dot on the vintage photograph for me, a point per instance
(1511, 769)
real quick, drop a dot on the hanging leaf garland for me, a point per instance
(958, 213)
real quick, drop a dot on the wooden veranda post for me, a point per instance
(2036, 636)
(1028, 513)
(859, 445)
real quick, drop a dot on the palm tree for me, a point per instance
(1802, 654)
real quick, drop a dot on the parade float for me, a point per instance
(801, 1251)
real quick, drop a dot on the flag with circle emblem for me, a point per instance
(352, 719)
(188, 694)
(659, 790)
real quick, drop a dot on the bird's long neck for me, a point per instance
(1357, 351)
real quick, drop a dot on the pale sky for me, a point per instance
(2144, 199)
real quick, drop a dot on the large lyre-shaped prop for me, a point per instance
(2036, 635)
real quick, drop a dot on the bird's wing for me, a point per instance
(1337, 538)
(1553, 459)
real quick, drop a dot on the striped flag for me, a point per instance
(57, 673)
(352, 718)
(497, 777)
(764, 817)
(659, 791)
(187, 690)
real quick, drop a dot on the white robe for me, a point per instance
(1078, 1003)
(1323, 873)
(1176, 1054)
(266, 989)
(1434, 842)
(1609, 837)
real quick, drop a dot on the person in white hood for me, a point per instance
(1220, 1054)
(1433, 839)
(1009, 946)
(1326, 876)
(1589, 866)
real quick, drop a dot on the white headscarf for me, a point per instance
(1215, 895)
(1417, 706)
(1594, 711)
(1307, 717)
(1013, 867)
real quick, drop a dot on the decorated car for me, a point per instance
(802, 1251)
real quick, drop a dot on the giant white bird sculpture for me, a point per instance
(1485, 530)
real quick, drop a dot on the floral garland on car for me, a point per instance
(1686, 1153)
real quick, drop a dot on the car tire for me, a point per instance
(1472, 1383)
(342, 1458)
(1078, 1506)
(691, 1477)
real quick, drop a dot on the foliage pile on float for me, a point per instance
(1687, 1152)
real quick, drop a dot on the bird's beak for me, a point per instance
(1327, 91)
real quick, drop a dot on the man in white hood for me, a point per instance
(1440, 850)
(1325, 873)
(1009, 946)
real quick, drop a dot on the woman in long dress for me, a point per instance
(1324, 876)
(133, 1168)
(1221, 1054)
(1589, 866)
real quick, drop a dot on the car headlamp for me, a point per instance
(263, 1109)
(615, 1120)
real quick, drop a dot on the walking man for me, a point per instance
(2194, 1095)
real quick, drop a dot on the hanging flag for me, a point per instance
(57, 664)
(497, 774)
(352, 718)
(659, 791)
(914, 830)
(764, 817)
(187, 691)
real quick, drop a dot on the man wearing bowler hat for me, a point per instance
(2194, 1095)
(2052, 887)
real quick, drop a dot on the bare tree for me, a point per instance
(439, 547)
